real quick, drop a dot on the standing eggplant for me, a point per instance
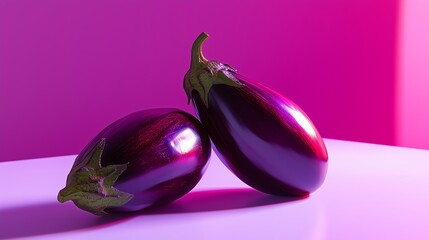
(145, 159)
(261, 136)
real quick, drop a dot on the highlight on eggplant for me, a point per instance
(145, 159)
(261, 136)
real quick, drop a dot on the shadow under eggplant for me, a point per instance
(52, 217)
(219, 200)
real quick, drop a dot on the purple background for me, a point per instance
(69, 68)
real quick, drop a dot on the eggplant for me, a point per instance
(264, 138)
(143, 160)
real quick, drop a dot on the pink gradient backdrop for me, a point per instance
(69, 68)
(413, 75)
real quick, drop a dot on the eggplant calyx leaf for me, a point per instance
(90, 186)
(203, 74)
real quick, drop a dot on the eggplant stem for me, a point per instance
(91, 186)
(197, 53)
(203, 74)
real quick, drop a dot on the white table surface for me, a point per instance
(371, 192)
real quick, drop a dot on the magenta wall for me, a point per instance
(69, 68)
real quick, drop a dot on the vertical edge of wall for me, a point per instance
(412, 98)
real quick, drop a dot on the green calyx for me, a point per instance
(203, 74)
(90, 186)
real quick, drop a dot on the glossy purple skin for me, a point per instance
(167, 151)
(264, 138)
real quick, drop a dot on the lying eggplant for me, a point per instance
(261, 136)
(145, 159)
